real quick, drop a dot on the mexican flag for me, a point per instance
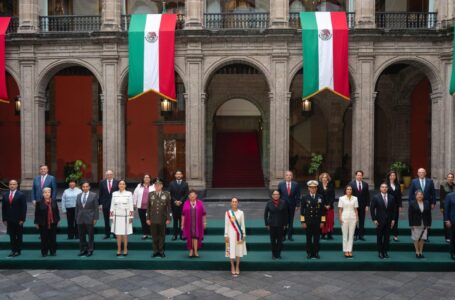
(151, 47)
(452, 80)
(4, 23)
(325, 53)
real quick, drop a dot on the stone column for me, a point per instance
(195, 100)
(363, 120)
(279, 13)
(110, 15)
(365, 14)
(194, 14)
(28, 16)
(440, 128)
(32, 120)
(279, 118)
(445, 13)
(113, 119)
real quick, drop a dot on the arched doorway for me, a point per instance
(155, 141)
(237, 126)
(402, 119)
(10, 133)
(325, 130)
(73, 114)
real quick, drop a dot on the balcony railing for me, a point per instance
(13, 25)
(406, 20)
(69, 23)
(236, 20)
(126, 19)
(294, 20)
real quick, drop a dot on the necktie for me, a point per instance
(179, 182)
(360, 186)
(385, 199)
(42, 182)
(109, 185)
(289, 188)
(84, 200)
(422, 183)
(11, 198)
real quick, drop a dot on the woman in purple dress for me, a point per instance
(194, 221)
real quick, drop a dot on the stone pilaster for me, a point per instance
(28, 16)
(363, 120)
(365, 14)
(279, 119)
(194, 14)
(445, 13)
(113, 118)
(195, 100)
(279, 13)
(110, 15)
(439, 145)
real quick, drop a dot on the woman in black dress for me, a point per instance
(327, 191)
(394, 189)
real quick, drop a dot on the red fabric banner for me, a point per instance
(4, 23)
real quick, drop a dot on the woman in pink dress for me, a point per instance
(194, 222)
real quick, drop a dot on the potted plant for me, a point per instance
(315, 164)
(403, 172)
(74, 170)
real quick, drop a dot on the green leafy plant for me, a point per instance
(74, 170)
(400, 167)
(315, 163)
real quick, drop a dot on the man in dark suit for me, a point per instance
(290, 192)
(383, 209)
(14, 211)
(449, 219)
(361, 190)
(42, 181)
(107, 187)
(312, 217)
(179, 193)
(87, 212)
(426, 185)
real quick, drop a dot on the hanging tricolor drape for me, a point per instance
(4, 23)
(325, 53)
(151, 44)
(452, 80)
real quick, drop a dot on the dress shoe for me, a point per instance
(329, 236)
(119, 254)
(106, 237)
(44, 255)
(114, 236)
(273, 257)
(395, 239)
(53, 254)
(291, 239)
(323, 237)
(417, 255)
(317, 256)
(381, 256)
(163, 255)
(308, 256)
(422, 256)
(11, 254)
(448, 241)
(82, 253)
(144, 237)
(386, 255)
(279, 257)
(17, 254)
(362, 238)
(174, 237)
(90, 253)
(125, 254)
(155, 254)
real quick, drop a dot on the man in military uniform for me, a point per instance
(312, 217)
(158, 215)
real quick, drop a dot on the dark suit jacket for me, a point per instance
(17, 211)
(50, 182)
(429, 193)
(449, 208)
(105, 197)
(41, 213)
(397, 196)
(362, 197)
(379, 212)
(276, 216)
(328, 195)
(416, 216)
(89, 213)
(312, 211)
(178, 192)
(294, 199)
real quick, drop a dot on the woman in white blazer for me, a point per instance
(140, 201)
(349, 216)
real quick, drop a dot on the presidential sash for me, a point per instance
(235, 224)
